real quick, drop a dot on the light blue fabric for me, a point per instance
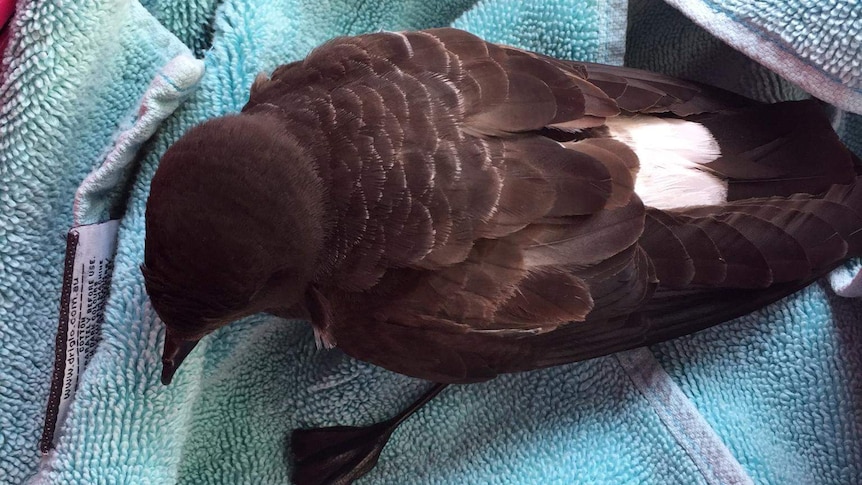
(813, 44)
(780, 388)
(73, 77)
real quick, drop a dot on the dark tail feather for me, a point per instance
(670, 314)
(778, 150)
(675, 312)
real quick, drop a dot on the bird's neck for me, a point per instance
(355, 191)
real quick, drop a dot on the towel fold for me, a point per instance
(813, 44)
(73, 76)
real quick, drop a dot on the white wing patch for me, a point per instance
(671, 154)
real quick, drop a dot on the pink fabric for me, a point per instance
(7, 7)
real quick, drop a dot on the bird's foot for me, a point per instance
(338, 455)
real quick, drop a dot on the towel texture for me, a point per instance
(780, 388)
(73, 77)
(814, 44)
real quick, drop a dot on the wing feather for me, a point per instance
(472, 243)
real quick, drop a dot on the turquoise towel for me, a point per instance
(813, 44)
(72, 78)
(771, 398)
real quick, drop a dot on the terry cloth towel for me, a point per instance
(74, 77)
(770, 398)
(813, 44)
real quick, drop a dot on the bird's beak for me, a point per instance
(175, 352)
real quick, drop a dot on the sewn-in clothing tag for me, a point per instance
(86, 281)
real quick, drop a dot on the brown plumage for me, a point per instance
(452, 209)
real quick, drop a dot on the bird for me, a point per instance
(453, 209)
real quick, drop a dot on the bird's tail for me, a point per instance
(827, 227)
(777, 149)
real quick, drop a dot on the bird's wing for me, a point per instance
(708, 270)
(433, 142)
(507, 230)
(638, 91)
(715, 264)
(467, 134)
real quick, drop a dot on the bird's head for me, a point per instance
(235, 221)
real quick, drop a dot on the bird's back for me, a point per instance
(498, 211)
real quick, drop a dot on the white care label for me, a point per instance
(86, 282)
